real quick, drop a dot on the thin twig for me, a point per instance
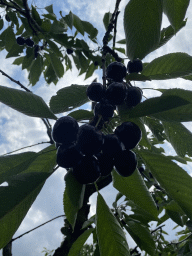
(106, 40)
(13, 80)
(36, 227)
(25, 147)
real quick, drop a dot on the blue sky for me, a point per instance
(19, 130)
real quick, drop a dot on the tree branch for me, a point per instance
(36, 227)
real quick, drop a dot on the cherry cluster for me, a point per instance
(85, 149)
(116, 92)
(29, 42)
(92, 154)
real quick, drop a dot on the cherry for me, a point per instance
(135, 66)
(65, 130)
(129, 134)
(116, 71)
(87, 171)
(125, 162)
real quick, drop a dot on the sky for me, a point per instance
(18, 130)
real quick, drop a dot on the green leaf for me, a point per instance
(1, 23)
(90, 29)
(49, 8)
(54, 48)
(57, 65)
(78, 244)
(179, 137)
(134, 188)
(14, 164)
(69, 19)
(61, 39)
(83, 61)
(90, 70)
(15, 50)
(142, 24)
(13, 18)
(18, 61)
(58, 27)
(77, 23)
(46, 25)
(175, 212)
(168, 33)
(81, 114)
(156, 127)
(141, 235)
(28, 59)
(69, 98)
(35, 70)
(73, 197)
(106, 19)
(112, 240)
(36, 16)
(123, 41)
(175, 11)
(9, 39)
(22, 190)
(136, 77)
(180, 186)
(169, 66)
(25, 102)
(160, 105)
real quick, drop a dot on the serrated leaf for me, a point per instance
(35, 70)
(179, 137)
(78, 244)
(112, 240)
(25, 102)
(134, 188)
(36, 16)
(142, 24)
(58, 27)
(18, 61)
(106, 19)
(169, 66)
(141, 235)
(22, 190)
(175, 212)
(14, 164)
(175, 11)
(54, 48)
(176, 182)
(81, 114)
(137, 77)
(78, 24)
(90, 29)
(57, 65)
(69, 98)
(9, 38)
(69, 19)
(73, 197)
(49, 8)
(15, 50)
(156, 127)
(168, 33)
(28, 59)
(46, 25)
(123, 41)
(169, 108)
(90, 70)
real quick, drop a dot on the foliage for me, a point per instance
(163, 190)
